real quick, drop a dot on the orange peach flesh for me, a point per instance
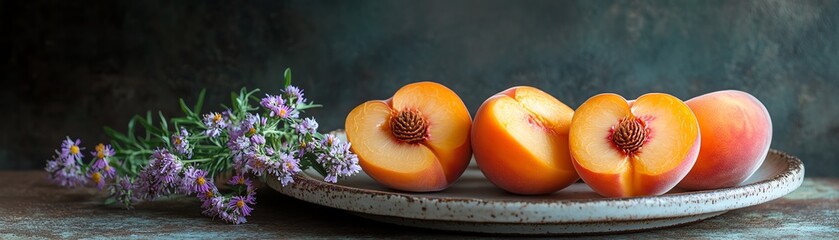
(520, 141)
(736, 134)
(449, 124)
(670, 149)
(428, 165)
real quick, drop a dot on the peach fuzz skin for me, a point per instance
(669, 150)
(433, 157)
(736, 134)
(520, 141)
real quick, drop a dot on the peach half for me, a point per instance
(418, 140)
(736, 134)
(520, 140)
(626, 148)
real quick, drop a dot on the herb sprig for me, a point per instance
(181, 156)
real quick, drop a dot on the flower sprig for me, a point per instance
(185, 158)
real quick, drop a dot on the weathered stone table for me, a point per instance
(32, 207)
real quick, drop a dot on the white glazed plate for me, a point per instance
(473, 204)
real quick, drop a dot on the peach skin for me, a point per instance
(736, 134)
(520, 140)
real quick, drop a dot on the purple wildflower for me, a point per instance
(181, 143)
(99, 164)
(239, 180)
(286, 168)
(70, 150)
(337, 159)
(239, 205)
(97, 179)
(53, 165)
(109, 172)
(256, 120)
(242, 152)
(122, 192)
(241, 133)
(292, 92)
(306, 146)
(65, 173)
(214, 122)
(237, 208)
(234, 218)
(307, 126)
(258, 164)
(202, 184)
(258, 139)
(329, 140)
(269, 151)
(70, 176)
(103, 153)
(278, 107)
(238, 141)
(160, 176)
(285, 112)
(148, 186)
(208, 195)
(243, 141)
(99, 172)
(272, 102)
(65, 169)
(195, 181)
(215, 206)
(168, 166)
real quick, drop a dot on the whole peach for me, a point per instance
(520, 141)
(736, 134)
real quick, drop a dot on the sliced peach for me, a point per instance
(520, 140)
(736, 134)
(626, 148)
(418, 140)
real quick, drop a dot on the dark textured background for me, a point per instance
(69, 68)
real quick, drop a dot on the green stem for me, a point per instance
(205, 147)
(196, 160)
(123, 170)
(135, 152)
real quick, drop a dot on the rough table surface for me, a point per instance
(32, 207)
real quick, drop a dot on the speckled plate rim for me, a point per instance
(535, 211)
(541, 229)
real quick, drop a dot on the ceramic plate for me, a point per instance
(473, 204)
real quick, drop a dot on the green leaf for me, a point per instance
(180, 121)
(287, 76)
(319, 168)
(200, 103)
(163, 124)
(131, 128)
(147, 124)
(234, 101)
(165, 140)
(184, 108)
(110, 201)
(252, 92)
(116, 135)
(308, 106)
(254, 98)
